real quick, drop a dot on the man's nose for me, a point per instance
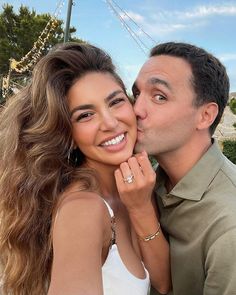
(140, 107)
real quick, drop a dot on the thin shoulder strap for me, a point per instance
(113, 224)
(109, 208)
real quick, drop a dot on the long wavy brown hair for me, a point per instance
(35, 141)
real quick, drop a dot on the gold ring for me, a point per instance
(129, 179)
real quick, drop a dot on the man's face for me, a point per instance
(164, 106)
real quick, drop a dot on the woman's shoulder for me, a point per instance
(77, 201)
(80, 216)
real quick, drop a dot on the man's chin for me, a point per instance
(138, 148)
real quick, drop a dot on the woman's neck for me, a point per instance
(106, 179)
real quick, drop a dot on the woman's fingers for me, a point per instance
(144, 163)
(137, 169)
(126, 171)
(135, 177)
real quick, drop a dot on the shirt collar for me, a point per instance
(193, 185)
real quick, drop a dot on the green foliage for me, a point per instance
(232, 105)
(229, 150)
(234, 125)
(19, 31)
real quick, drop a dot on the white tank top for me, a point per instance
(117, 280)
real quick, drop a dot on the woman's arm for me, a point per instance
(137, 197)
(78, 236)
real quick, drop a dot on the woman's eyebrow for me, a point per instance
(82, 107)
(91, 106)
(113, 94)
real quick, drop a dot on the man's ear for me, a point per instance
(208, 113)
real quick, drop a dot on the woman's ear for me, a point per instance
(208, 113)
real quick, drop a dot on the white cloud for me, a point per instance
(165, 22)
(200, 11)
(206, 11)
(228, 57)
(162, 29)
(133, 15)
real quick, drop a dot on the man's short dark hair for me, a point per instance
(210, 80)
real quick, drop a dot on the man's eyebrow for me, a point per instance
(91, 106)
(154, 80)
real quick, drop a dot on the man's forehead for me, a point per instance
(151, 63)
(163, 67)
(148, 73)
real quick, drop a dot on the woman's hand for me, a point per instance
(135, 181)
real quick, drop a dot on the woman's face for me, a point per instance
(103, 121)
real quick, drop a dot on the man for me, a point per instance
(180, 95)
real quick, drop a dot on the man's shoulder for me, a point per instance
(223, 186)
(229, 171)
(220, 197)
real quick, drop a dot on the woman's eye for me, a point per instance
(117, 101)
(159, 97)
(84, 117)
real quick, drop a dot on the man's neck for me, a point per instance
(177, 164)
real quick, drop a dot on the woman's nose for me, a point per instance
(108, 121)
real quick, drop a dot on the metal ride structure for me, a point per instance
(132, 27)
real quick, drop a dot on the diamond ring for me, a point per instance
(129, 179)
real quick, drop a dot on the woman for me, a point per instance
(64, 229)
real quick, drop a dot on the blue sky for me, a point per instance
(208, 24)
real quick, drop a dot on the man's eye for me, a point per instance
(84, 117)
(159, 97)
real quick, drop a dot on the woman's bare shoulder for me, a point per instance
(79, 204)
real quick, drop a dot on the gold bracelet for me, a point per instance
(152, 236)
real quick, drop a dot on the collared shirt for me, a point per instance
(199, 216)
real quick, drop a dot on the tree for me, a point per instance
(229, 150)
(18, 33)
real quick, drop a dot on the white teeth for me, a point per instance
(114, 141)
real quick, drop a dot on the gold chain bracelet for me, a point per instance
(152, 236)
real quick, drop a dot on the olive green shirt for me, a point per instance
(199, 216)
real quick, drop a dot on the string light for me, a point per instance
(26, 63)
(30, 59)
